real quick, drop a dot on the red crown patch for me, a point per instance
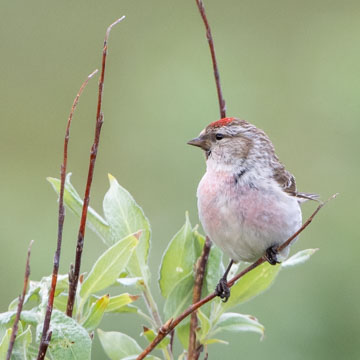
(221, 122)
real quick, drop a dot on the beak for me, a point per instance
(201, 142)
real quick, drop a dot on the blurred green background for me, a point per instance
(290, 67)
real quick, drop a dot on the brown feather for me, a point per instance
(288, 184)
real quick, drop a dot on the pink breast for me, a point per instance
(222, 202)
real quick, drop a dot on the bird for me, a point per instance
(248, 203)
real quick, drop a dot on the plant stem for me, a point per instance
(151, 305)
(194, 348)
(155, 315)
(74, 276)
(20, 304)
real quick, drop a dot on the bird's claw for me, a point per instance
(271, 255)
(222, 290)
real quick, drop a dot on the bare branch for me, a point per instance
(46, 335)
(221, 99)
(99, 121)
(20, 304)
(193, 350)
(172, 323)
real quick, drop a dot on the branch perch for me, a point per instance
(172, 323)
(20, 304)
(46, 334)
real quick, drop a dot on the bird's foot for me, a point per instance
(271, 255)
(222, 290)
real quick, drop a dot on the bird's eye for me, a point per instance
(219, 136)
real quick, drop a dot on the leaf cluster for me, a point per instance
(126, 233)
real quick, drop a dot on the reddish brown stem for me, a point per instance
(46, 335)
(172, 323)
(193, 350)
(74, 278)
(209, 37)
(20, 304)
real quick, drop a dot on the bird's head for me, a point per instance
(232, 142)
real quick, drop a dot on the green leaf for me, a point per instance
(62, 283)
(214, 269)
(32, 317)
(199, 241)
(135, 282)
(180, 297)
(69, 340)
(235, 322)
(182, 332)
(150, 335)
(125, 217)
(299, 258)
(216, 341)
(119, 346)
(118, 303)
(4, 344)
(178, 260)
(60, 302)
(32, 294)
(127, 309)
(96, 313)
(73, 201)
(252, 284)
(7, 317)
(183, 355)
(108, 266)
(21, 345)
(205, 326)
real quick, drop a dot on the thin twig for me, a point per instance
(20, 304)
(46, 335)
(99, 121)
(151, 305)
(155, 318)
(172, 323)
(193, 349)
(221, 99)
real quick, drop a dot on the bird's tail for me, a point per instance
(306, 196)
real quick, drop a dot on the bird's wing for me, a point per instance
(287, 182)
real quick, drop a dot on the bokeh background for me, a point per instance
(292, 68)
